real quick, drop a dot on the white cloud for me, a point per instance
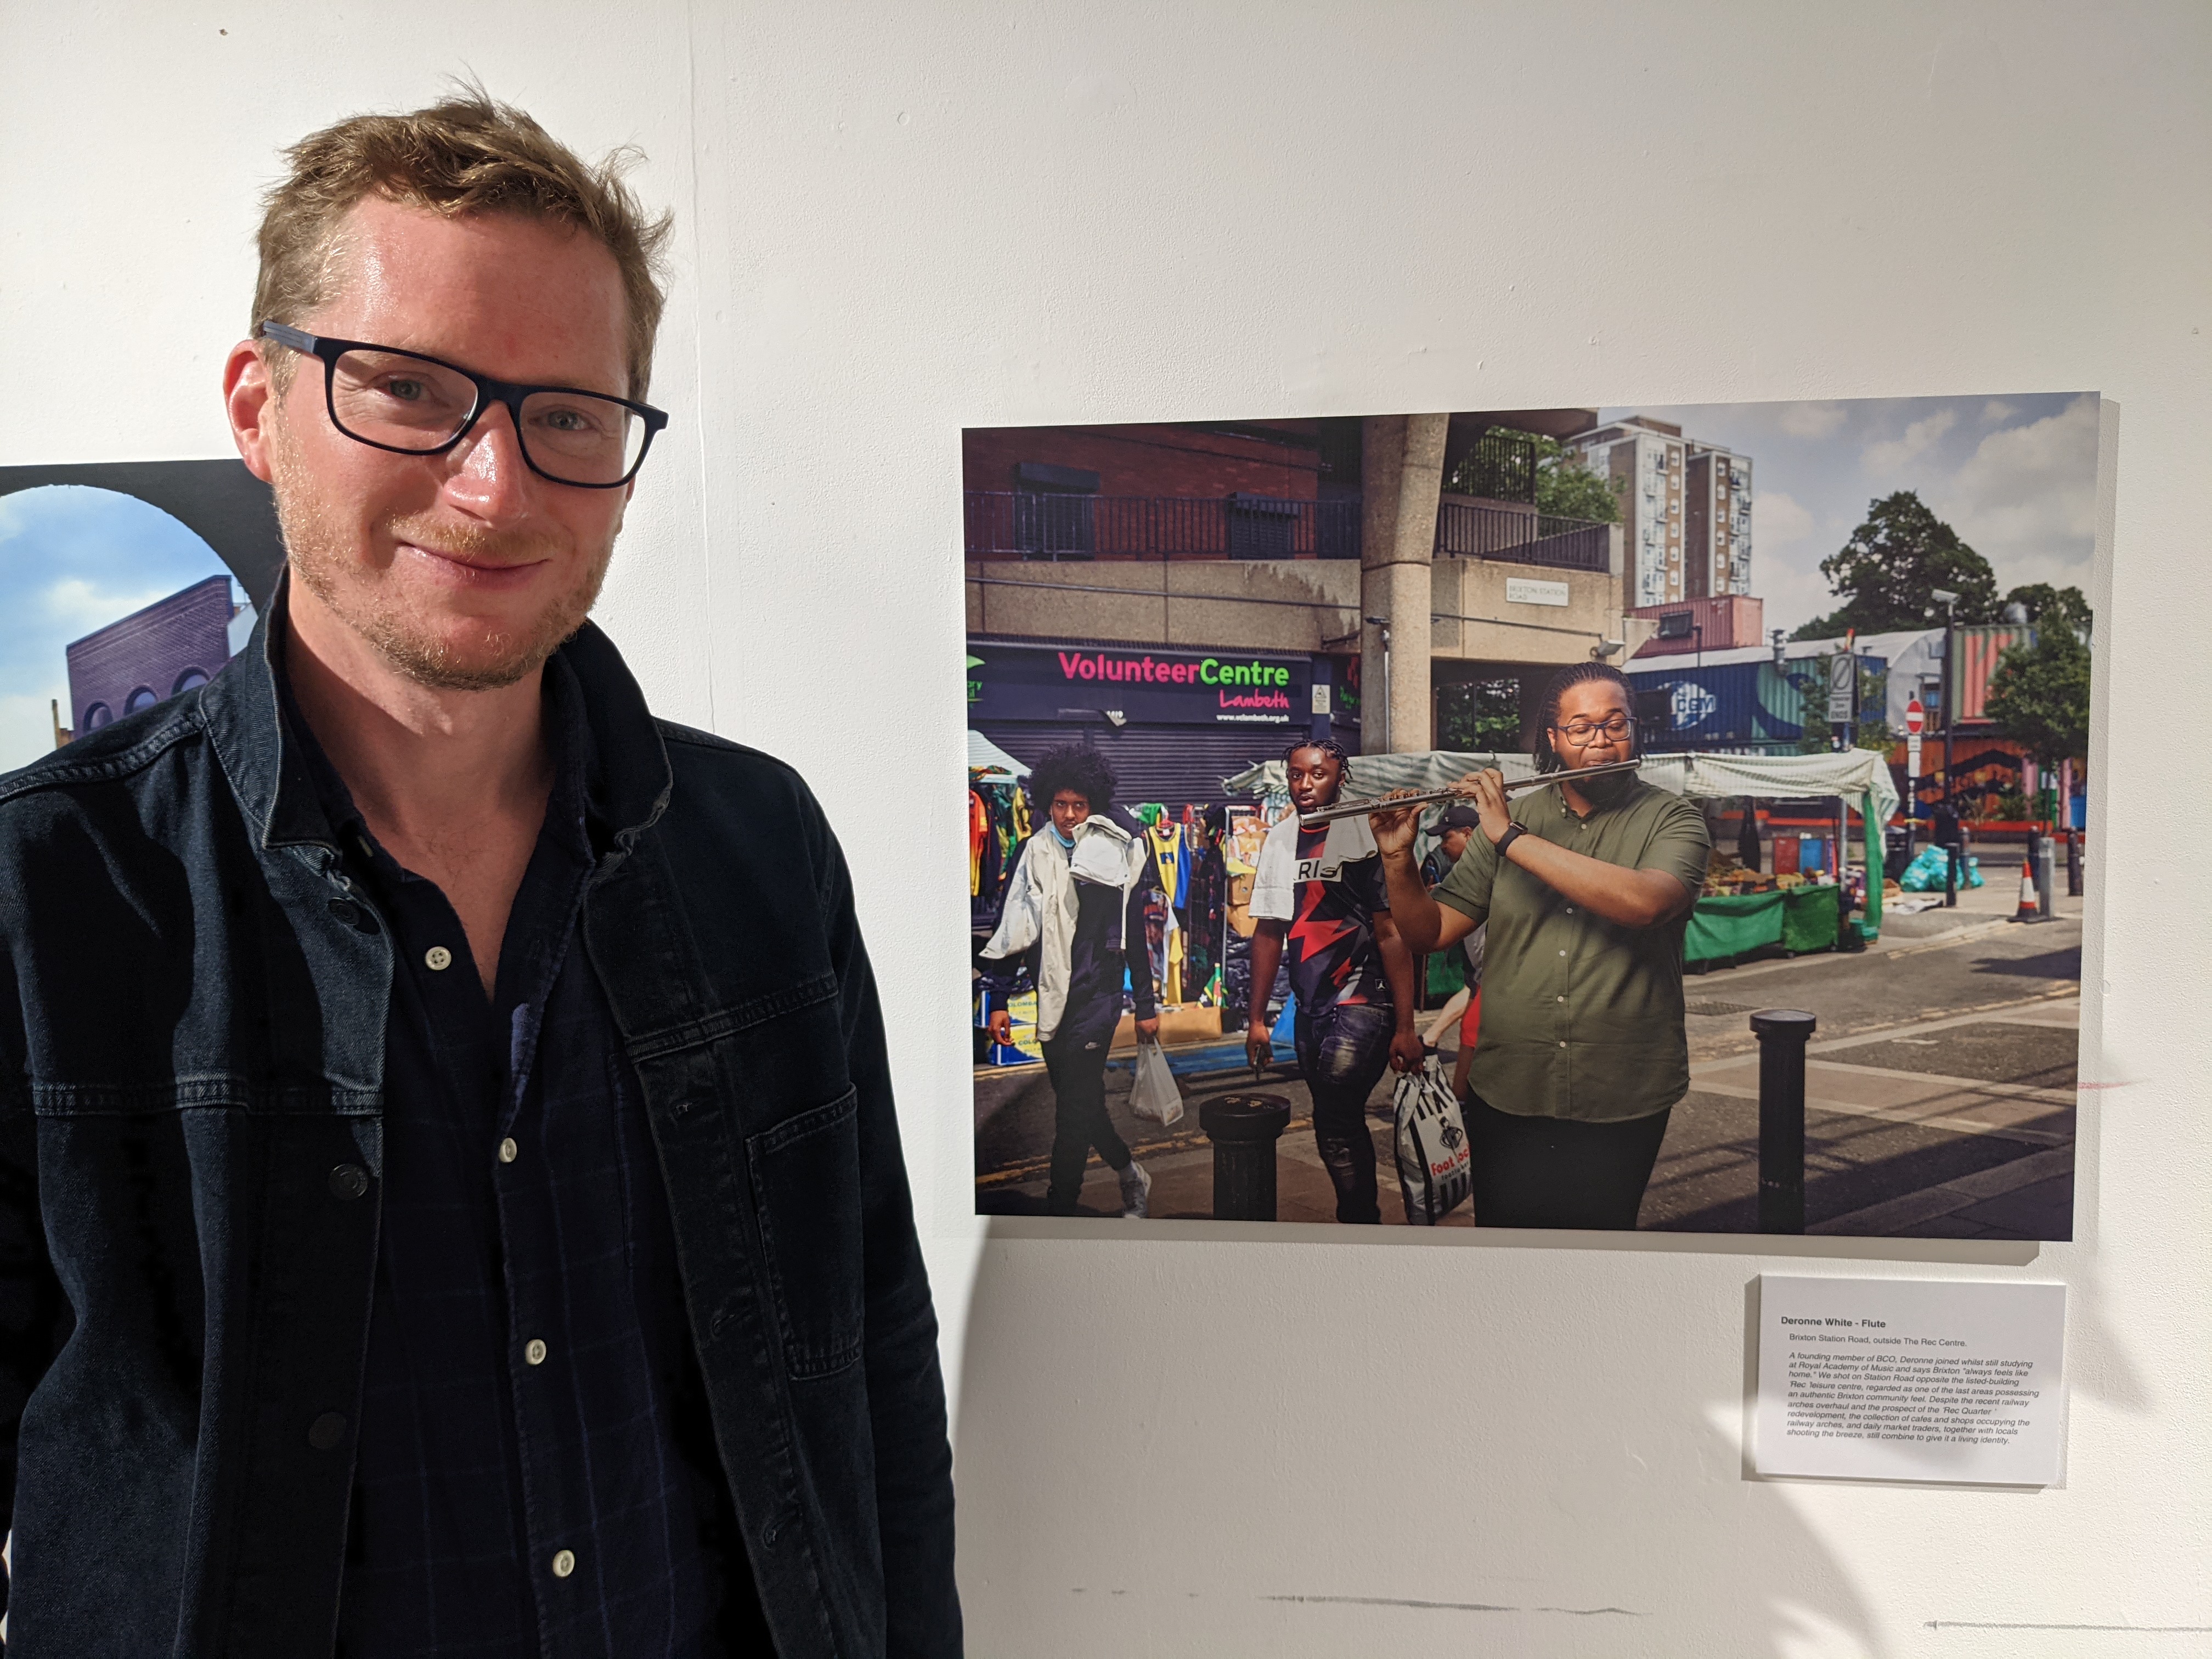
(1777, 521)
(1996, 411)
(1811, 420)
(73, 602)
(27, 725)
(1888, 454)
(2027, 498)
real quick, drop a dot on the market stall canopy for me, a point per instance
(986, 757)
(1853, 773)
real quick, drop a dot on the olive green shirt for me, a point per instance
(1581, 1017)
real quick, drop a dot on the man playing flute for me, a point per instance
(1587, 891)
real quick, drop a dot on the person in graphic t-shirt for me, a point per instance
(1320, 901)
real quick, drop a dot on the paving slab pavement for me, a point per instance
(1941, 1087)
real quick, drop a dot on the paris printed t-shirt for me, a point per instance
(1327, 885)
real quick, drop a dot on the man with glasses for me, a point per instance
(1587, 891)
(450, 1195)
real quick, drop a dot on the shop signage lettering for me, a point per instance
(1059, 682)
(1076, 666)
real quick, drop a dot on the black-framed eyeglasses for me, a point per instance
(1582, 733)
(412, 405)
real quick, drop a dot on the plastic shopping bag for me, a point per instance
(1154, 1096)
(1435, 1164)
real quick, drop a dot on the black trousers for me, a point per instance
(1555, 1172)
(1075, 1060)
(1342, 1053)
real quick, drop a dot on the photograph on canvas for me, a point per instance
(1736, 731)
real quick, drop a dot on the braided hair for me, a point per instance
(1574, 674)
(1328, 746)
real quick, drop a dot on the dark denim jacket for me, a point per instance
(191, 1048)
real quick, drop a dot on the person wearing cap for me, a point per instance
(1453, 829)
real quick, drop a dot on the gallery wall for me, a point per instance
(898, 221)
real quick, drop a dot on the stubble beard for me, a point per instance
(369, 602)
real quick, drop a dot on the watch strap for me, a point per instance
(1513, 832)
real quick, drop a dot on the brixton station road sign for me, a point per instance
(1916, 718)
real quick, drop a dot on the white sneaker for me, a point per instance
(1136, 1191)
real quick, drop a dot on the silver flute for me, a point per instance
(1360, 809)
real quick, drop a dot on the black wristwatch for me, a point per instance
(1513, 831)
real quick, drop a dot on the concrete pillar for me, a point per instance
(1401, 475)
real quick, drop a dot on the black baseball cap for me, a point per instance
(1459, 818)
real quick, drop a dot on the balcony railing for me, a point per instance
(1501, 467)
(1468, 531)
(1022, 525)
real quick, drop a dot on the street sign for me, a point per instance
(1916, 722)
(1843, 671)
(1912, 754)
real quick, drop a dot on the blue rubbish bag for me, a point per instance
(1926, 874)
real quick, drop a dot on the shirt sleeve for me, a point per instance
(1136, 949)
(1274, 888)
(1465, 886)
(1681, 845)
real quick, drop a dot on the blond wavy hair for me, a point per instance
(467, 154)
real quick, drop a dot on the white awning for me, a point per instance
(986, 757)
(1853, 774)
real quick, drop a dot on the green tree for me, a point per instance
(1566, 489)
(1479, 717)
(2039, 695)
(2064, 605)
(1888, 573)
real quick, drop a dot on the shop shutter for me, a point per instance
(1178, 766)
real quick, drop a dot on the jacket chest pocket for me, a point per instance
(806, 1192)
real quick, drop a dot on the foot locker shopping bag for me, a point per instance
(1434, 1162)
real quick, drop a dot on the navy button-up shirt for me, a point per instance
(536, 1475)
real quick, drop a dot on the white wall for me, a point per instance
(898, 220)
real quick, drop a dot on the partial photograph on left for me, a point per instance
(122, 586)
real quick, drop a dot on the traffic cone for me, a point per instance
(2029, 910)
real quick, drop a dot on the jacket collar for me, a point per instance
(627, 782)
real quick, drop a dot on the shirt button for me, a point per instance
(349, 1181)
(1562, 1042)
(1562, 953)
(564, 1563)
(326, 1431)
(534, 1351)
(1563, 999)
(437, 959)
(507, 1150)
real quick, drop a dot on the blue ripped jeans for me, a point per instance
(1343, 1052)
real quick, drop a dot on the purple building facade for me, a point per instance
(171, 646)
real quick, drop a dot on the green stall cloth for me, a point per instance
(1797, 919)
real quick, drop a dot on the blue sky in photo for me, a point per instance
(2015, 475)
(73, 560)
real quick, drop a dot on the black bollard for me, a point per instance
(1244, 1129)
(2073, 864)
(1783, 1033)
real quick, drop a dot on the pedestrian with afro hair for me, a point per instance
(1074, 916)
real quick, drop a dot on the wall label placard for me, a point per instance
(1904, 1379)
